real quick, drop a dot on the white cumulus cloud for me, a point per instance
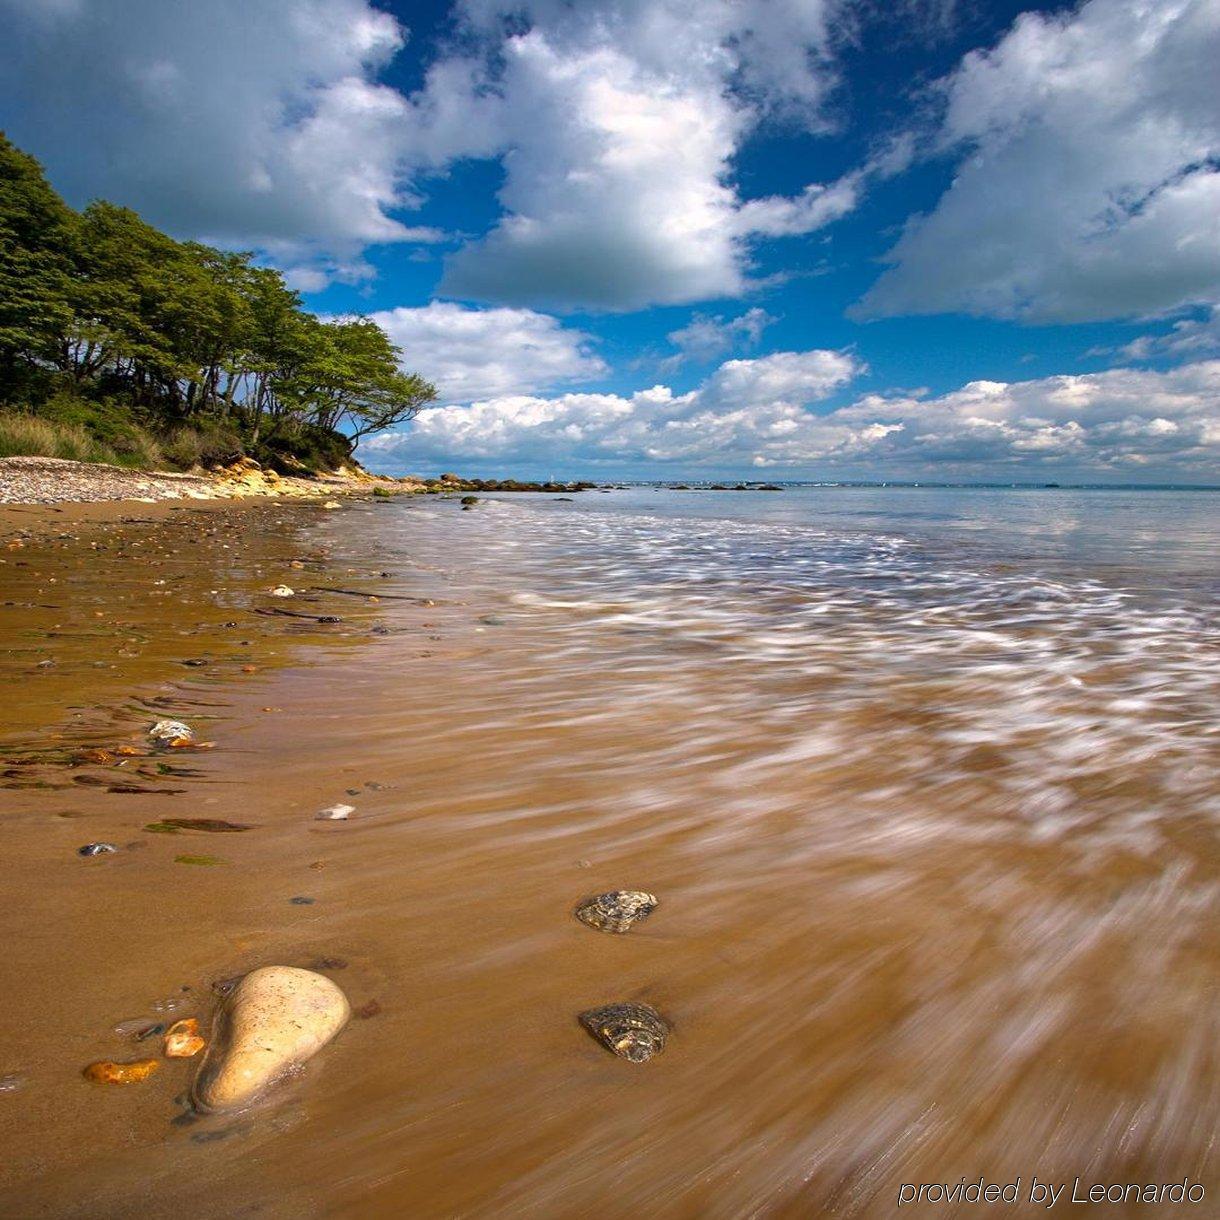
(239, 122)
(483, 353)
(1090, 185)
(1123, 423)
(617, 122)
(704, 338)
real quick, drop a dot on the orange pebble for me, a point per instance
(182, 1039)
(249, 669)
(129, 751)
(106, 1071)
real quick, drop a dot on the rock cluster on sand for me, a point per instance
(275, 1019)
(631, 1031)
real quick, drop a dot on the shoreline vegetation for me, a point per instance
(124, 346)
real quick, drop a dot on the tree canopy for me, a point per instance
(102, 305)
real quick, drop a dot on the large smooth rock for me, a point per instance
(275, 1019)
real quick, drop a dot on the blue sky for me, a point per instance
(696, 238)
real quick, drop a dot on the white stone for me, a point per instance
(166, 731)
(336, 813)
(276, 1018)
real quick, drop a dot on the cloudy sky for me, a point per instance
(879, 239)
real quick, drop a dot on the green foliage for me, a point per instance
(37, 234)
(112, 328)
(32, 435)
(303, 448)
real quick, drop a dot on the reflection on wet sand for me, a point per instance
(932, 836)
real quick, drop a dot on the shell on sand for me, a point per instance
(632, 1031)
(617, 910)
(275, 1019)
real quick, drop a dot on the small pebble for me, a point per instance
(634, 1032)
(617, 910)
(282, 591)
(96, 849)
(171, 732)
(182, 1040)
(106, 1071)
(335, 813)
(11, 1082)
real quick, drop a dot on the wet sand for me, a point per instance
(875, 972)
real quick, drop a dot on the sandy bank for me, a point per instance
(42, 480)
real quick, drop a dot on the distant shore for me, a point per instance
(43, 480)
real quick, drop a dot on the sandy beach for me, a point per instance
(870, 973)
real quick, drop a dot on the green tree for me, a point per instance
(171, 332)
(36, 243)
(357, 386)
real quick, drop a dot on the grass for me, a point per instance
(33, 436)
(98, 438)
(84, 430)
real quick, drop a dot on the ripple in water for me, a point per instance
(938, 838)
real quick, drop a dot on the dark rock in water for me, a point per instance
(96, 849)
(195, 662)
(617, 910)
(469, 500)
(492, 620)
(300, 901)
(631, 1031)
(381, 629)
(329, 618)
(367, 1011)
